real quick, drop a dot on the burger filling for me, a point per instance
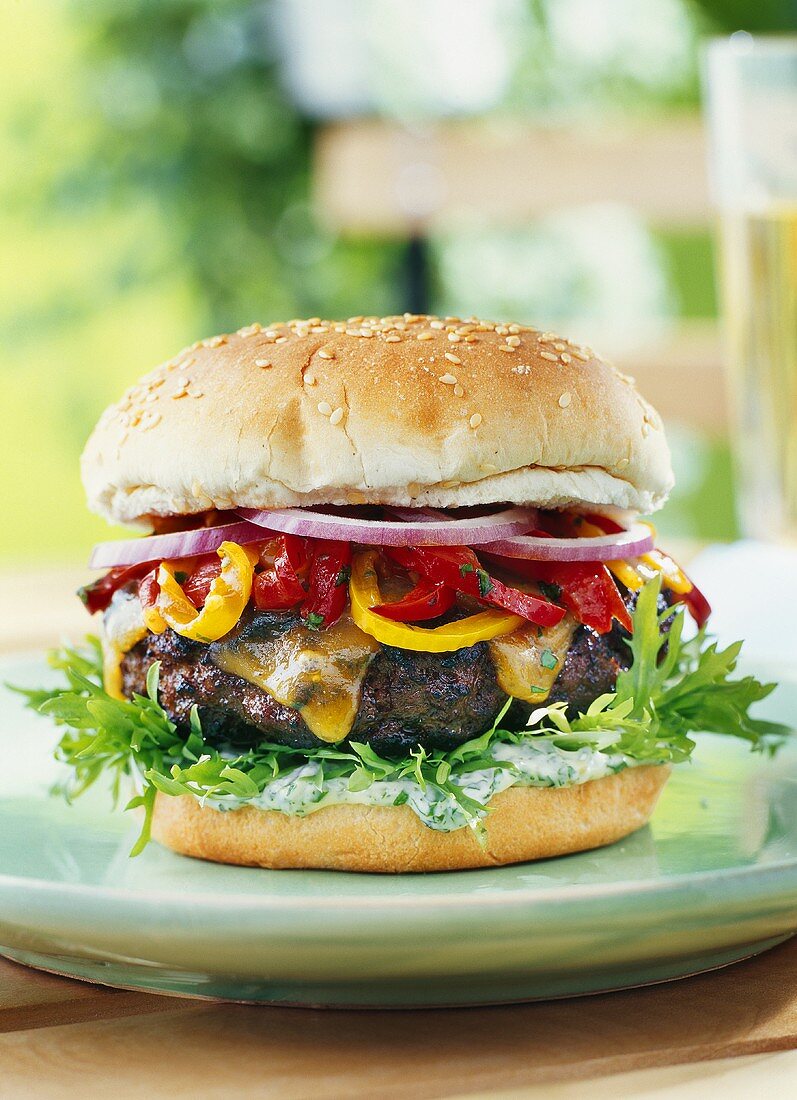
(291, 672)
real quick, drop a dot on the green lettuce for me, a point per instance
(673, 688)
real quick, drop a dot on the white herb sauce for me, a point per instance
(304, 790)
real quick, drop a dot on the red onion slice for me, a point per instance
(418, 532)
(638, 539)
(180, 544)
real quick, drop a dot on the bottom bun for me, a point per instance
(525, 823)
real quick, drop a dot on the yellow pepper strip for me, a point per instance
(627, 574)
(674, 576)
(228, 596)
(364, 593)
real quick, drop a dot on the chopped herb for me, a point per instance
(401, 798)
(537, 690)
(552, 592)
(485, 584)
(466, 568)
(314, 621)
(180, 576)
(548, 659)
(343, 577)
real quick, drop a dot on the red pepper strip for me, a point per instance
(587, 589)
(459, 568)
(149, 589)
(697, 604)
(427, 600)
(97, 595)
(278, 587)
(197, 586)
(330, 570)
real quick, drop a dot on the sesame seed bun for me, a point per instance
(526, 823)
(400, 410)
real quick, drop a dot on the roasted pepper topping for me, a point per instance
(365, 597)
(279, 586)
(330, 569)
(227, 597)
(460, 569)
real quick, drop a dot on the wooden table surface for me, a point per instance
(710, 1033)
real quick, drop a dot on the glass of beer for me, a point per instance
(751, 88)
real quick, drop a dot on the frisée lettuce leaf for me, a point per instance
(673, 688)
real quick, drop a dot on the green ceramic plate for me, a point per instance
(713, 879)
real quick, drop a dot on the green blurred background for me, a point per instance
(160, 181)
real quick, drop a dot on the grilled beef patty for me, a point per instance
(437, 700)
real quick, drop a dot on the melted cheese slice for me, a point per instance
(528, 660)
(320, 673)
(122, 628)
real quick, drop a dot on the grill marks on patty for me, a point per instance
(437, 700)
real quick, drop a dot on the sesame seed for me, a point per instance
(436, 324)
(560, 347)
(514, 328)
(471, 339)
(448, 379)
(324, 408)
(262, 362)
(454, 337)
(337, 416)
(393, 339)
(513, 341)
(475, 420)
(326, 353)
(281, 340)
(250, 330)
(623, 463)
(151, 418)
(196, 393)
(214, 341)
(319, 328)
(505, 347)
(452, 358)
(458, 391)
(425, 335)
(566, 358)
(549, 355)
(352, 332)
(309, 380)
(580, 355)
(502, 330)
(564, 400)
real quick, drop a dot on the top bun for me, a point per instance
(408, 410)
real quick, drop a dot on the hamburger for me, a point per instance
(392, 608)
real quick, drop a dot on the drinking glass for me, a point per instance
(751, 94)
